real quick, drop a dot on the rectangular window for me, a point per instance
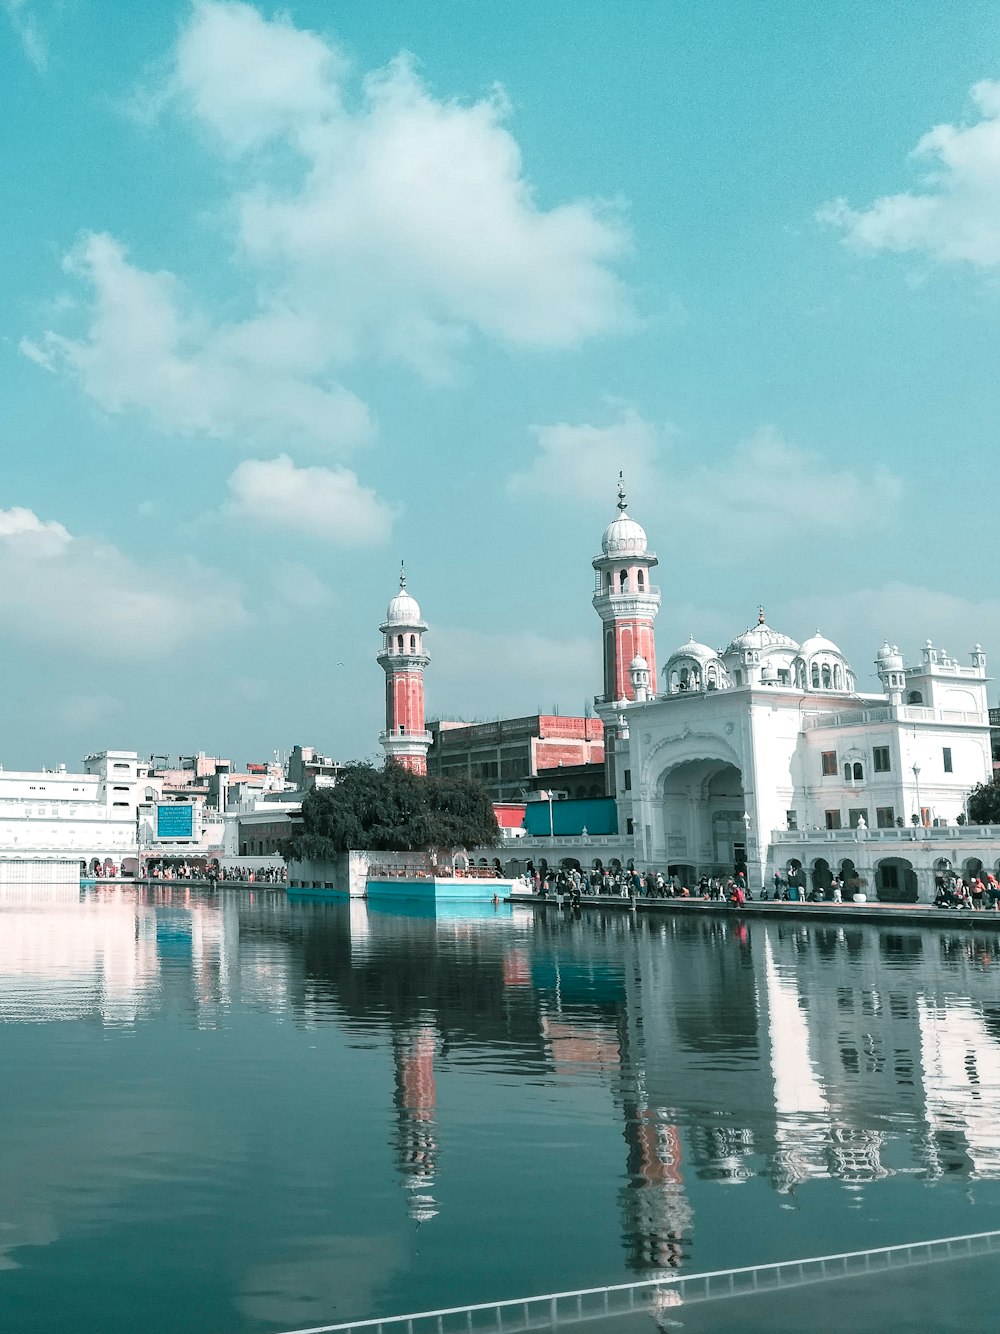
(885, 817)
(629, 827)
(890, 876)
(946, 752)
(832, 819)
(880, 759)
(854, 817)
(829, 762)
(792, 819)
(628, 780)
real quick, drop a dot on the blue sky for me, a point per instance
(291, 293)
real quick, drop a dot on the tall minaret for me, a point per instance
(403, 660)
(626, 602)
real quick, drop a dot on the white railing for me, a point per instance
(908, 834)
(846, 718)
(658, 1294)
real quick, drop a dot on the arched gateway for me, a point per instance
(698, 813)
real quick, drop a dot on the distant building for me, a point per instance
(513, 757)
(307, 768)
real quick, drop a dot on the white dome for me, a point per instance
(624, 537)
(403, 610)
(818, 643)
(761, 637)
(692, 649)
(889, 658)
(638, 664)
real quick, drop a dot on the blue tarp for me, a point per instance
(598, 815)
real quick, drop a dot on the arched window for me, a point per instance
(815, 676)
(640, 576)
(607, 580)
(847, 773)
(622, 580)
(838, 677)
(685, 680)
(712, 681)
(915, 697)
(858, 772)
(674, 683)
(827, 676)
(399, 643)
(413, 643)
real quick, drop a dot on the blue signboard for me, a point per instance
(175, 820)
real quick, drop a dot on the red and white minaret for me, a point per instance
(403, 660)
(627, 603)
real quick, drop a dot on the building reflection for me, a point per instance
(415, 1100)
(731, 1052)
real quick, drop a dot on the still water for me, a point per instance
(233, 1112)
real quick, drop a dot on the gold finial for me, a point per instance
(760, 615)
(622, 502)
(402, 576)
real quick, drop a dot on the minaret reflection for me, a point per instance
(415, 1100)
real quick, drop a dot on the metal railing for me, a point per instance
(654, 1295)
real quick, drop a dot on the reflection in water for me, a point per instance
(683, 1058)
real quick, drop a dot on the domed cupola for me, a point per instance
(761, 656)
(891, 671)
(403, 610)
(695, 666)
(824, 666)
(624, 537)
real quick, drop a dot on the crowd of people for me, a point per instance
(978, 894)
(626, 882)
(215, 874)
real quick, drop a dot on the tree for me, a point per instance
(393, 810)
(984, 803)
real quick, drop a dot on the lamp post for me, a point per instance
(916, 780)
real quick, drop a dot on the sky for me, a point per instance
(292, 294)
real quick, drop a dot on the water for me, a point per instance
(234, 1112)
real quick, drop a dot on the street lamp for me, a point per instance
(916, 780)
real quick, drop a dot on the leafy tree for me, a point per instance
(393, 810)
(984, 803)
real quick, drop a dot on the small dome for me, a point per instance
(624, 537)
(889, 658)
(638, 664)
(692, 649)
(818, 643)
(402, 610)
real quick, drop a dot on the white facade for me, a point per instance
(764, 754)
(88, 816)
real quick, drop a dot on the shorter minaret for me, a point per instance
(403, 660)
(627, 604)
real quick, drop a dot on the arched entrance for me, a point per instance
(704, 824)
(972, 868)
(895, 881)
(822, 876)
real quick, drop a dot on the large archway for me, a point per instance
(703, 806)
(895, 881)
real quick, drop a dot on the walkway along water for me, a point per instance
(658, 1295)
(893, 913)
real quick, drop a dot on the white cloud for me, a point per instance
(325, 502)
(145, 350)
(410, 222)
(956, 215)
(248, 78)
(87, 596)
(21, 19)
(580, 463)
(766, 483)
(771, 487)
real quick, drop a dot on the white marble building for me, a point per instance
(765, 753)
